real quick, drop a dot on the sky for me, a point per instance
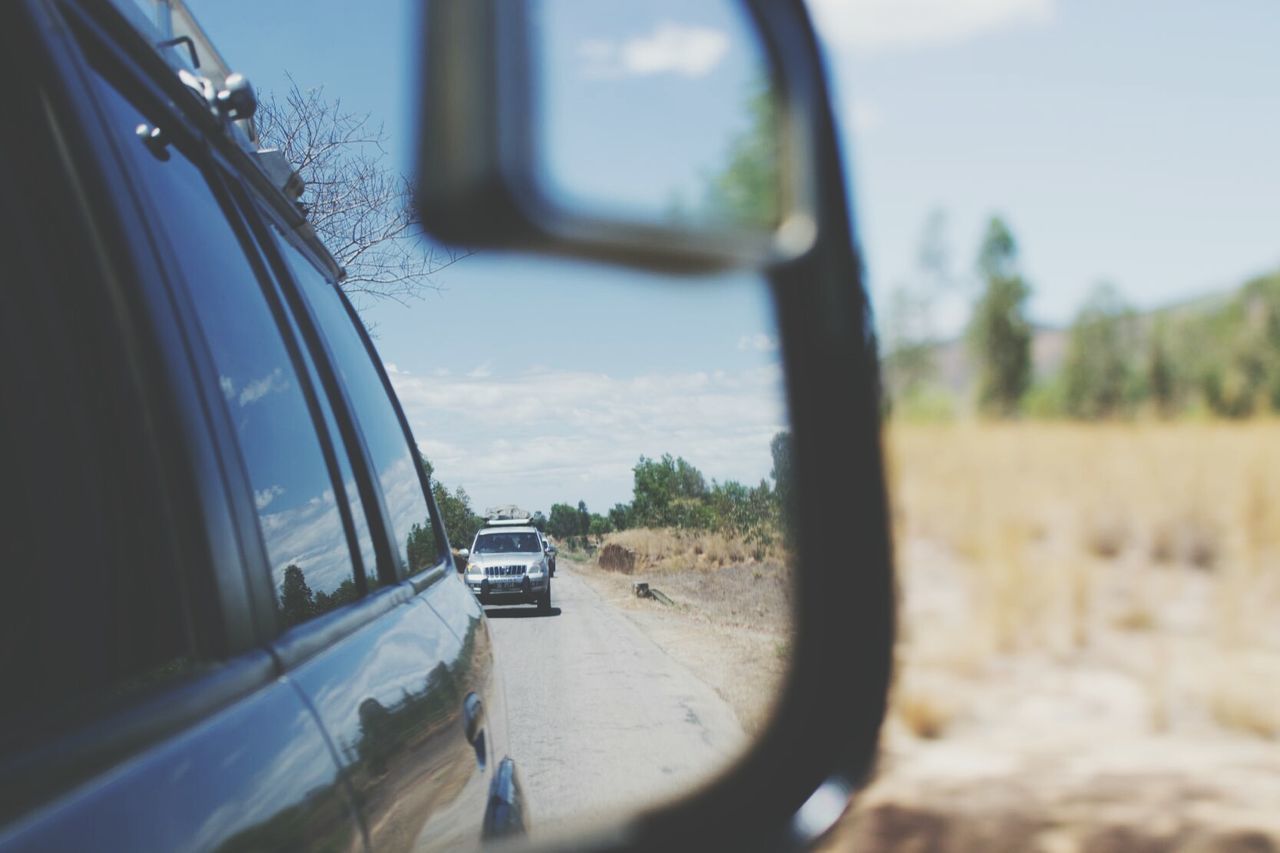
(1129, 141)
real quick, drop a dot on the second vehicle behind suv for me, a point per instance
(507, 565)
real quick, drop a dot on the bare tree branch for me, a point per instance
(359, 208)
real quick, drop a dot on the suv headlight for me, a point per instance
(536, 568)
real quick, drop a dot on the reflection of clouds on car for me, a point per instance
(310, 536)
(403, 491)
(254, 389)
(268, 793)
(262, 498)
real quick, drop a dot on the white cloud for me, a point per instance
(308, 535)
(545, 436)
(671, 48)
(868, 26)
(272, 383)
(759, 342)
(262, 499)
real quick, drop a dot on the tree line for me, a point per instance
(670, 492)
(1219, 356)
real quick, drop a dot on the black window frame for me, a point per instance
(391, 570)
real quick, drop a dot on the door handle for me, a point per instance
(472, 717)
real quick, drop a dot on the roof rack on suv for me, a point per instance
(510, 512)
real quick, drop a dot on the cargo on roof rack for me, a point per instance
(506, 513)
(508, 522)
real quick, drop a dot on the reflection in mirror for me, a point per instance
(658, 113)
(640, 421)
(642, 429)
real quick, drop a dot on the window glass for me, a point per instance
(507, 543)
(364, 540)
(390, 452)
(93, 613)
(293, 494)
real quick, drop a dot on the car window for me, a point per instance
(293, 493)
(507, 543)
(359, 517)
(84, 541)
(388, 447)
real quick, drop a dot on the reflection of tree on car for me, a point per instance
(298, 603)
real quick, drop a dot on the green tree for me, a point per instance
(620, 516)
(1098, 371)
(910, 337)
(999, 334)
(539, 521)
(460, 521)
(1160, 379)
(729, 502)
(1238, 347)
(346, 593)
(783, 483)
(667, 492)
(746, 192)
(599, 525)
(422, 548)
(563, 521)
(584, 519)
(297, 603)
(908, 358)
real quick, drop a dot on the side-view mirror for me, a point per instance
(678, 145)
(562, 127)
(464, 553)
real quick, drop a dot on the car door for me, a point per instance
(412, 698)
(144, 713)
(386, 675)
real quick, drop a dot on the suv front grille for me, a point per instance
(503, 571)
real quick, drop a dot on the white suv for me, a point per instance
(507, 565)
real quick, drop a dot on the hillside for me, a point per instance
(1209, 341)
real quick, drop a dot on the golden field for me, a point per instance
(1089, 645)
(1061, 533)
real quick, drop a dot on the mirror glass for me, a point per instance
(658, 113)
(641, 422)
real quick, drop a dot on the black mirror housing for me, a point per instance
(479, 179)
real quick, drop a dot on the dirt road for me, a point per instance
(600, 716)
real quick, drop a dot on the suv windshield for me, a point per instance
(507, 543)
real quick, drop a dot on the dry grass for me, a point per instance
(1067, 538)
(1102, 602)
(1244, 705)
(925, 714)
(679, 550)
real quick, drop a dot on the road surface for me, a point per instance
(600, 716)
